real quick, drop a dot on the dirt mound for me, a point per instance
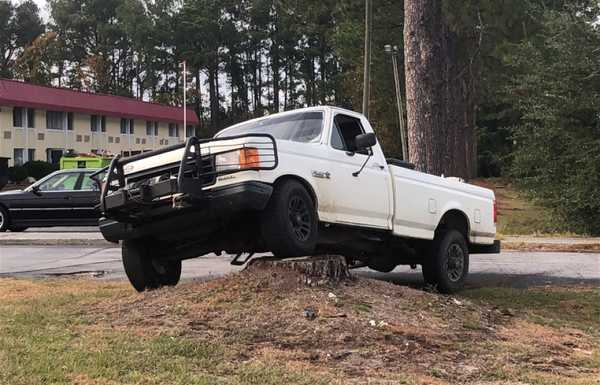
(359, 329)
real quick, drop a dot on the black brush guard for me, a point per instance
(129, 197)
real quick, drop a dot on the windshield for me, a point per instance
(303, 127)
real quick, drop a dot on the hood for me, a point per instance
(5, 194)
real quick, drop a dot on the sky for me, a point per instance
(43, 10)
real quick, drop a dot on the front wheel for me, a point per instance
(144, 270)
(447, 264)
(289, 223)
(4, 219)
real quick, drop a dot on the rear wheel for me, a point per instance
(289, 223)
(4, 219)
(447, 265)
(144, 270)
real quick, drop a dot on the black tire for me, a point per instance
(289, 223)
(18, 229)
(447, 265)
(144, 270)
(4, 220)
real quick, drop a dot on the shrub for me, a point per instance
(39, 169)
(17, 173)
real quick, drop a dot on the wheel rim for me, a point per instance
(299, 215)
(455, 262)
(1, 219)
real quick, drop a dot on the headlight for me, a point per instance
(242, 159)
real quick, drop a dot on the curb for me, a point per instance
(57, 242)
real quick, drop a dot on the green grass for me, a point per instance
(45, 340)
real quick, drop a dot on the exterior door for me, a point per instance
(365, 199)
(85, 198)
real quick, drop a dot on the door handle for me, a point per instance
(378, 165)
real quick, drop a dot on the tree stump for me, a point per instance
(312, 270)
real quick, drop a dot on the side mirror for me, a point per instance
(365, 141)
(36, 190)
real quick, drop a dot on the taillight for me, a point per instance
(495, 212)
(249, 158)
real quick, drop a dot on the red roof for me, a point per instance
(20, 94)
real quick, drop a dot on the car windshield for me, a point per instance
(302, 127)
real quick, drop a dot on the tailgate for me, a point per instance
(141, 183)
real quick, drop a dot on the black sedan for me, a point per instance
(63, 198)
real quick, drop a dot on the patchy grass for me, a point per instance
(559, 307)
(517, 215)
(251, 328)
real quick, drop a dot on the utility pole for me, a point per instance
(367, 62)
(184, 99)
(394, 52)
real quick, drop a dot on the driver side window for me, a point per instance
(60, 182)
(344, 131)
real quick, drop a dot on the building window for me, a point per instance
(17, 116)
(190, 131)
(70, 121)
(173, 130)
(18, 156)
(31, 154)
(127, 126)
(53, 155)
(55, 120)
(97, 123)
(150, 128)
(30, 118)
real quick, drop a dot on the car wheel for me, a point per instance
(289, 223)
(447, 266)
(4, 219)
(144, 270)
(18, 229)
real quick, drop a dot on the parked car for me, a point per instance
(296, 183)
(63, 198)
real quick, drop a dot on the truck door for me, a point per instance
(363, 200)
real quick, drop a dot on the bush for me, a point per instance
(489, 165)
(17, 173)
(557, 152)
(39, 169)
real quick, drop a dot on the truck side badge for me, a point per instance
(321, 174)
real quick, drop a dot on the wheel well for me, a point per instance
(457, 220)
(303, 182)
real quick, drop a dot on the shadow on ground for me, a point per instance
(480, 280)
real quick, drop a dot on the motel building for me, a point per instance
(41, 123)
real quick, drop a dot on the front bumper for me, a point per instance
(214, 205)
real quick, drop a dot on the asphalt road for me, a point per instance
(517, 269)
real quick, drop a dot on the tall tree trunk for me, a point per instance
(213, 74)
(276, 76)
(424, 83)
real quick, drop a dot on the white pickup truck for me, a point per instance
(297, 183)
